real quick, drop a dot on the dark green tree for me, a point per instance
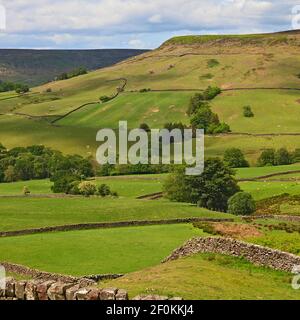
(282, 157)
(242, 203)
(267, 158)
(211, 189)
(234, 158)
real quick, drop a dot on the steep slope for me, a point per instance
(262, 71)
(39, 66)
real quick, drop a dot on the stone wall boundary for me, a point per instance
(256, 254)
(104, 225)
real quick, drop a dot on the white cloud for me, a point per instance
(66, 21)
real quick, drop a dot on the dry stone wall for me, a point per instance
(42, 290)
(39, 289)
(256, 254)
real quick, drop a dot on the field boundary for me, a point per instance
(269, 176)
(90, 103)
(108, 225)
(256, 254)
(223, 90)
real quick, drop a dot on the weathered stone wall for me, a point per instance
(39, 289)
(34, 273)
(256, 254)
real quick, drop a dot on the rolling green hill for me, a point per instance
(257, 70)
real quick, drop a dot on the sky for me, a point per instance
(140, 24)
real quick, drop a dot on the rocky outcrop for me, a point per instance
(256, 254)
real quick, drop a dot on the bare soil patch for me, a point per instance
(237, 231)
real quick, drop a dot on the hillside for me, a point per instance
(257, 70)
(39, 66)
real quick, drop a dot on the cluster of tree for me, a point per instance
(11, 86)
(129, 169)
(234, 158)
(272, 157)
(201, 115)
(215, 189)
(39, 162)
(144, 90)
(74, 73)
(73, 184)
(248, 113)
(175, 125)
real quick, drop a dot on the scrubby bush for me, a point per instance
(195, 103)
(204, 118)
(211, 63)
(234, 158)
(145, 90)
(64, 183)
(211, 92)
(87, 188)
(104, 190)
(145, 127)
(104, 99)
(218, 128)
(176, 125)
(248, 112)
(283, 157)
(242, 203)
(22, 88)
(267, 158)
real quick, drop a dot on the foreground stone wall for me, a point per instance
(39, 289)
(256, 254)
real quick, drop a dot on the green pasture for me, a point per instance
(209, 277)
(20, 213)
(275, 111)
(96, 251)
(153, 108)
(254, 172)
(268, 189)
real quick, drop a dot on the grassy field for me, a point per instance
(254, 172)
(184, 67)
(252, 146)
(154, 108)
(96, 251)
(280, 107)
(268, 189)
(20, 213)
(281, 240)
(126, 186)
(203, 277)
